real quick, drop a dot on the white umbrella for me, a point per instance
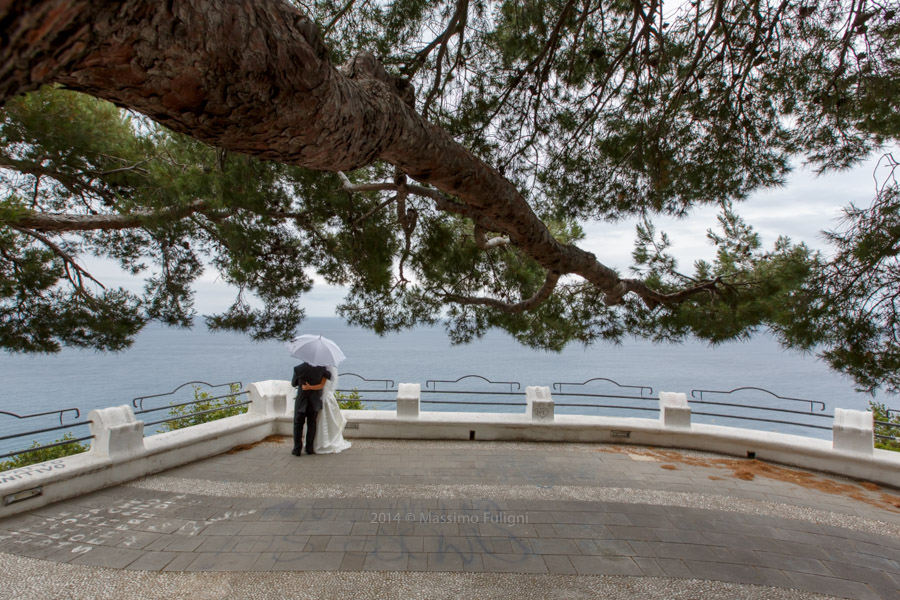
(316, 350)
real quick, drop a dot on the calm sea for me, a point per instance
(162, 359)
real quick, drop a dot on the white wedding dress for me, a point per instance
(330, 426)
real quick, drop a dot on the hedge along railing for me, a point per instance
(888, 425)
(179, 419)
(37, 447)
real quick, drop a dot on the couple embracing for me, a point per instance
(316, 407)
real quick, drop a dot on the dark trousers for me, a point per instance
(308, 417)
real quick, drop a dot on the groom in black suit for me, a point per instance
(309, 381)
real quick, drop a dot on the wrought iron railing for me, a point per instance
(476, 390)
(810, 415)
(38, 432)
(139, 402)
(586, 396)
(558, 392)
(888, 425)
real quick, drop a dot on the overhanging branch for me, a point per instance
(224, 81)
(513, 308)
(61, 222)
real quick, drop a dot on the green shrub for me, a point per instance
(205, 402)
(349, 400)
(37, 456)
(881, 414)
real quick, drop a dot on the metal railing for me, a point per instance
(697, 397)
(138, 402)
(452, 394)
(559, 393)
(61, 412)
(431, 387)
(477, 390)
(888, 425)
(585, 396)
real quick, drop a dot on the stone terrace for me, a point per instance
(462, 520)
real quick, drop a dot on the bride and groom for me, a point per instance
(316, 407)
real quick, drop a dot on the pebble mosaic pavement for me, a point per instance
(410, 519)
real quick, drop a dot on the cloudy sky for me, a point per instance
(802, 209)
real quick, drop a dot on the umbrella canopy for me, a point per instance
(316, 350)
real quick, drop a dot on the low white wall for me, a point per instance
(120, 452)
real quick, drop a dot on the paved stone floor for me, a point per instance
(462, 520)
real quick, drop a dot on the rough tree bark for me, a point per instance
(254, 77)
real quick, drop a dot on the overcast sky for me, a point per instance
(802, 209)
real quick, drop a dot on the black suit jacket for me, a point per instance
(307, 373)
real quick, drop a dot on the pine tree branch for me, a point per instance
(311, 114)
(519, 307)
(68, 261)
(61, 222)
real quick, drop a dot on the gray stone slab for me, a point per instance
(418, 561)
(222, 528)
(605, 565)
(791, 562)
(514, 563)
(554, 546)
(114, 558)
(684, 551)
(880, 582)
(307, 561)
(152, 561)
(834, 587)
(353, 561)
(289, 543)
(386, 561)
(346, 543)
(396, 543)
(649, 567)
(674, 567)
(137, 539)
(633, 533)
(884, 562)
(720, 571)
(558, 564)
(324, 528)
(181, 561)
(317, 543)
(223, 561)
(444, 561)
(604, 547)
(175, 543)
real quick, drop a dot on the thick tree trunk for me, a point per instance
(254, 77)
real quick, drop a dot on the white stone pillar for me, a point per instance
(117, 433)
(408, 395)
(273, 398)
(853, 431)
(674, 411)
(539, 404)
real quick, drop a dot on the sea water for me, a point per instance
(162, 359)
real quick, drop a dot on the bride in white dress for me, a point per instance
(330, 427)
